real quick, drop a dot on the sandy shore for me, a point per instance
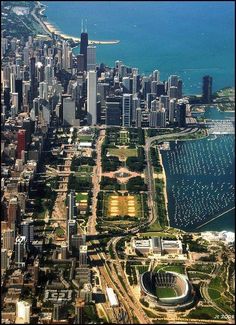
(54, 30)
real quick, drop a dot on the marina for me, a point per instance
(200, 180)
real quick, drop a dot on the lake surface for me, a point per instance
(201, 181)
(190, 39)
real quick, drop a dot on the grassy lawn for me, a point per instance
(203, 313)
(85, 138)
(123, 152)
(154, 227)
(85, 169)
(157, 234)
(165, 292)
(214, 294)
(59, 232)
(173, 268)
(217, 283)
(81, 196)
(193, 275)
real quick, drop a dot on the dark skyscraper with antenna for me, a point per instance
(84, 44)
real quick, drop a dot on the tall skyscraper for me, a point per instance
(181, 114)
(19, 89)
(92, 97)
(113, 110)
(91, 58)
(156, 75)
(83, 46)
(21, 142)
(12, 213)
(79, 311)
(27, 230)
(83, 252)
(172, 108)
(20, 250)
(127, 110)
(207, 89)
(71, 230)
(23, 311)
(8, 239)
(71, 205)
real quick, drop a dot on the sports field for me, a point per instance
(116, 205)
(165, 292)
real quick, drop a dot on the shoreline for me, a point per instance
(163, 176)
(52, 29)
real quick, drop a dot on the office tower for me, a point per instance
(80, 62)
(172, 108)
(68, 111)
(27, 230)
(161, 118)
(15, 101)
(58, 311)
(12, 212)
(207, 89)
(180, 87)
(23, 311)
(136, 83)
(103, 89)
(6, 97)
(173, 92)
(79, 310)
(153, 119)
(173, 81)
(181, 114)
(135, 105)
(49, 74)
(113, 110)
(18, 90)
(33, 81)
(71, 205)
(83, 252)
(83, 47)
(122, 71)
(138, 121)
(91, 58)
(71, 230)
(146, 86)
(126, 85)
(26, 55)
(26, 92)
(154, 105)
(12, 82)
(164, 102)
(160, 88)
(20, 250)
(21, 142)
(8, 239)
(4, 260)
(127, 110)
(154, 87)
(150, 97)
(77, 241)
(156, 75)
(92, 97)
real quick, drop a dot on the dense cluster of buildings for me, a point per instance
(44, 85)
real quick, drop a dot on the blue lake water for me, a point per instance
(201, 180)
(191, 38)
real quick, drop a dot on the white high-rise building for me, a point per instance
(23, 310)
(126, 84)
(156, 75)
(127, 110)
(91, 58)
(15, 100)
(12, 82)
(92, 97)
(172, 107)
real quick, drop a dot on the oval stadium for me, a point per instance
(167, 289)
